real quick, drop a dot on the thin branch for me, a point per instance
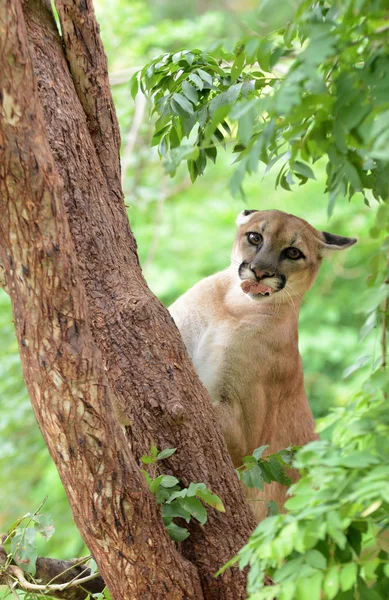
(55, 587)
(89, 69)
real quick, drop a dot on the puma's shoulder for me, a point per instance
(195, 310)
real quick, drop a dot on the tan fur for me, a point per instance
(244, 346)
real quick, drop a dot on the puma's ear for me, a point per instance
(336, 242)
(244, 216)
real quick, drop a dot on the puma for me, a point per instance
(240, 329)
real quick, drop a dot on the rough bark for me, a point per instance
(147, 374)
(62, 365)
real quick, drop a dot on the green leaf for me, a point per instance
(271, 508)
(366, 593)
(201, 491)
(288, 569)
(134, 85)
(211, 152)
(196, 80)
(178, 494)
(331, 582)
(16, 523)
(245, 127)
(168, 481)
(309, 588)
(206, 77)
(153, 450)
(253, 478)
(23, 548)
(316, 559)
(237, 67)
(147, 460)
(353, 175)
(155, 483)
(181, 105)
(174, 509)
(225, 98)
(178, 534)
(251, 48)
(359, 460)
(303, 169)
(166, 453)
(190, 92)
(278, 472)
(348, 576)
(361, 362)
(194, 507)
(44, 525)
(236, 180)
(259, 451)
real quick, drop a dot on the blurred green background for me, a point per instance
(185, 233)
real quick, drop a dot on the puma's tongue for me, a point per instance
(255, 287)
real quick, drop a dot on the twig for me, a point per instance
(18, 573)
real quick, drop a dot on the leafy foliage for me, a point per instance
(175, 501)
(332, 102)
(258, 470)
(333, 538)
(21, 539)
(315, 89)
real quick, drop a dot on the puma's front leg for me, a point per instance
(231, 421)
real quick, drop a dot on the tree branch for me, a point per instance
(88, 66)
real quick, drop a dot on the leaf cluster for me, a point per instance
(176, 501)
(21, 539)
(316, 88)
(258, 470)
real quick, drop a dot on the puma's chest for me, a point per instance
(231, 358)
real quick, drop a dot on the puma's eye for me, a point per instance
(293, 253)
(254, 238)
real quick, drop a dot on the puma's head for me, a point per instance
(282, 251)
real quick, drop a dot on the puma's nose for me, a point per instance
(262, 274)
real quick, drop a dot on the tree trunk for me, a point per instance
(91, 333)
